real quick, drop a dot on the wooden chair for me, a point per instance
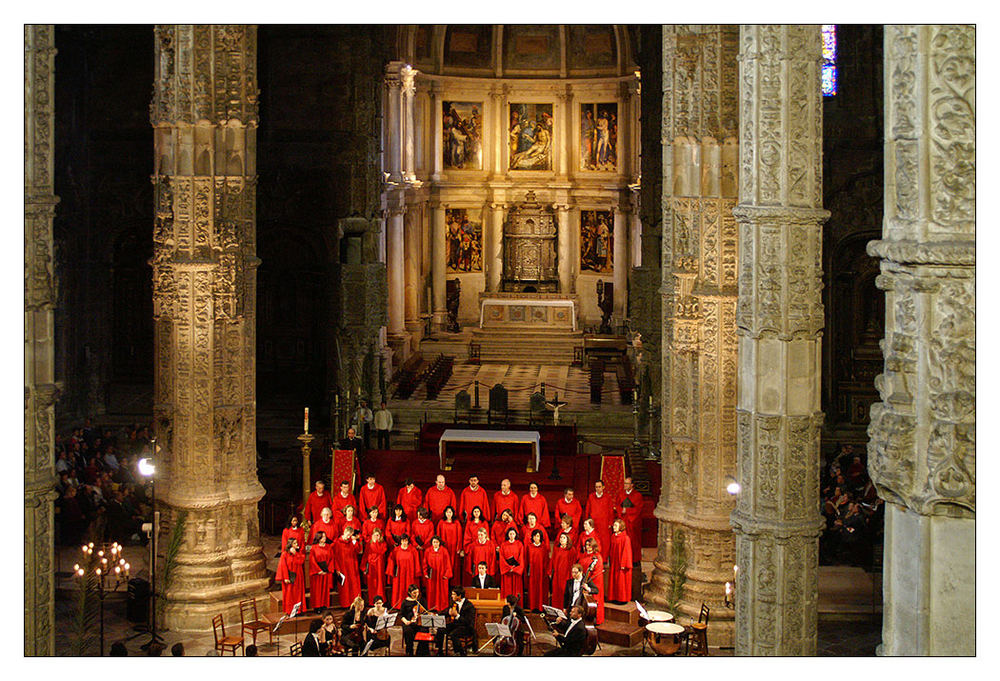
(697, 643)
(250, 621)
(223, 642)
(296, 649)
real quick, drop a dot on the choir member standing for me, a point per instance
(373, 564)
(372, 494)
(372, 523)
(450, 531)
(422, 529)
(589, 532)
(567, 527)
(410, 498)
(343, 498)
(483, 550)
(538, 571)
(437, 572)
(317, 501)
(403, 570)
(293, 531)
(345, 552)
(593, 567)
(531, 525)
(511, 565)
(533, 502)
(325, 525)
(292, 577)
(470, 534)
(473, 495)
(396, 527)
(568, 505)
(601, 508)
(498, 532)
(564, 555)
(321, 561)
(503, 500)
(620, 565)
(439, 498)
(348, 519)
(629, 509)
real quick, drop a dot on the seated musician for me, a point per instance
(576, 587)
(462, 624)
(373, 632)
(513, 617)
(311, 644)
(483, 580)
(329, 636)
(352, 634)
(409, 609)
(571, 635)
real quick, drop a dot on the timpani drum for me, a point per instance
(656, 616)
(664, 637)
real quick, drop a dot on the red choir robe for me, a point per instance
(620, 579)
(597, 577)
(298, 534)
(451, 538)
(420, 534)
(526, 531)
(396, 528)
(633, 521)
(436, 500)
(437, 571)
(330, 529)
(289, 564)
(345, 554)
(602, 511)
(470, 537)
(372, 496)
(499, 531)
(315, 505)
(410, 500)
(320, 584)
(570, 534)
(536, 505)
(584, 536)
(373, 567)
(511, 576)
(470, 499)
(538, 575)
(403, 569)
(560, 567)
(573, 509)
(369, 526)
(340, 501)
(481, 553)
(342, 522)
(503, 502)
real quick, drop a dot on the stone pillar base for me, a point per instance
(188, 613)
(721, 627)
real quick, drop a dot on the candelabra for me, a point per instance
(105, 565)
(306, 439)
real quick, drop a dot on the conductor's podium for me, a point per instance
(489, 608)
(621, 625)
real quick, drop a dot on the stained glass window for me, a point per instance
(829, 69)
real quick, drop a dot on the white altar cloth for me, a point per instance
(531, 437)
(525, 308)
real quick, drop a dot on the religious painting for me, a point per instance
(591, 47)
(462, 127)
(469, 46)
(464, 233)
(530, 137)
(599, 137)
(597, 241)
(532, 47)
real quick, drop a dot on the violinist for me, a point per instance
(379, 635)
(462, 624)
(571, 635)
(577, 586)
(409, 609)
(311, 646)
(352, 633)
(329, 636)
(483, 580)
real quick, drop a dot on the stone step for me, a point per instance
(619, 633)
(626, 614)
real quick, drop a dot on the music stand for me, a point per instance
(495, 630)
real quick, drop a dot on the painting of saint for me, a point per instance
(464, 234)
(530, 136)
(599, 137)
(597, 241)
(462, 126)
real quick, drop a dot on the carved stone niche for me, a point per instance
(529, 249)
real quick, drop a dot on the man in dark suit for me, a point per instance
(310, 646)
(576, 588)
(357, 445)
(571, 636)
(462, 625)
(483, 580)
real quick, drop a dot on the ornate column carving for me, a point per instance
(204, 117)
(439, 264)
(395, 268)
(780, 324)
(621, 265)
(565, 251)
(394, 128)
(699, 318)
(40, 389)
(922, 446)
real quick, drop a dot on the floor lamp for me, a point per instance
(147, 469)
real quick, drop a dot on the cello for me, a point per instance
(590, 616)
(507, 646)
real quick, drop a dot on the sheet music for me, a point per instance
(278, 624)
(493, 629)
(295, 609)
(503, 630)
(342, 577)
(553, 612)
(385, 621)
(528, 622)
(368, 646)
(642, 610)
(438, 621)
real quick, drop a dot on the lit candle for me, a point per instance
(736, 572)
(305, 423)
(729, 589)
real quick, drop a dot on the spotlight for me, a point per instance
(732, 486)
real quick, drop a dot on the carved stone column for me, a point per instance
(495, 246)
(699, 309)
(780, 324)
(204, 117)
(438, 265)
(620, 259)
(565, 251)
(922, 447)
(395, 268)
(40, 389)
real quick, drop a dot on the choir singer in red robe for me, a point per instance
(396, 527)
(483, 550)
(317, 501)
(373, 564)
(422, 529)
(345, 551)
(403, 570)
(325, 525)
(601, 508)
(292, 576)
(410, 498)
(533, 502)
(504, 500)
(511, 565)
(538, 571)
(593, 568)
(439, 498)
(620, 565)
(568, 505)
(473, 495)
(293, 531)
(588, 533)
(437, 572)
(450, 531)
(320, 580)
(629, 509)
(476, 521)
(372, 523)
(498, 532)
(372, 494)
(343, 498)
(564, 555)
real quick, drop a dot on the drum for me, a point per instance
(657, 616)
(664, 637)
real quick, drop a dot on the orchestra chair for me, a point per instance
(296, 649)
(468, 642)
(697, 642)
(223, 642)
(250, 621)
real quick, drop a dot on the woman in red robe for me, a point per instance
(437, 571)
(538, 571)
(589, 532)
(373, 564)
(450, 531)
(293, 531)
(500, 528)
(566, 527)
(372, 523)
(470, 535)
(349, 519)
(593, 568)
(403, 570)
(396, 527)
(292, 577)
(321, 562)
(511, 565)
(620, 554)
(421, 530)
(345, 553)
(529, 529)
(563, 557)
(483, 550)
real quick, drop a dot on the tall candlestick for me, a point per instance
(305, 423)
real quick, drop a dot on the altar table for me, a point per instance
(503, 312)
(520, 437)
